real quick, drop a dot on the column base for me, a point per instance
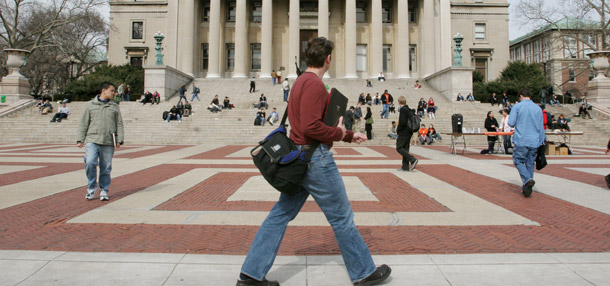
(292, 76)
(264, 76)
(213, 75)
(403, 76)
(350, 76)
(240, 75)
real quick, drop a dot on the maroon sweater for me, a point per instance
(306, 109)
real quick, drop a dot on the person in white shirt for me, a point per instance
(506, 139)
(273, 117)
(64, 111)
(286, 89)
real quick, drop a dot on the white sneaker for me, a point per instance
(104, 195)
(90, 194)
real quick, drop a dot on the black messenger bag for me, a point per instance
(281, 162)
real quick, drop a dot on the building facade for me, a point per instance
(252, 38)
(561, 49)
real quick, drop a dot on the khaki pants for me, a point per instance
(357, 127)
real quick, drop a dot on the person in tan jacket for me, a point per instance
(100, 130)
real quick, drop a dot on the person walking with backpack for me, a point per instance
(526, 118)
(322, 181)
(404, 135)
(195, 91)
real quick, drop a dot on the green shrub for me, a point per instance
(514, 77)
(87, 87)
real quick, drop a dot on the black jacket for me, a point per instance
(405, 113)
(385, 101)
(348, 118)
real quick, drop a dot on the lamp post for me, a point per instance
(457, 58)
(159, 56)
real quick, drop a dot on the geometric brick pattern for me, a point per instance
(41, 224)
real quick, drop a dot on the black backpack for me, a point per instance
(413, 121)
(165, 114)
(257, 121)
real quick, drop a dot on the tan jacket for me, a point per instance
(99, 121)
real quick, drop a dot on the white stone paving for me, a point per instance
(64, 268)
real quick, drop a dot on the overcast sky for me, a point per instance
(515, 29)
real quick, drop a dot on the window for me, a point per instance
(230, 49)
(206, 11)
(386, 11)
(537, 51)
(528, 53)
(360, 11)
(546, 50)
(230, 10)
(257, 11)
(512, 55)
(572, 74)
(590, 44)
(137, 30)
(412, 58)
(308, 6)
(569, 47)
(361, 58)
(255, 49)
(387, 58)
(204, 55)
(135, 61)
(412, 12)
(479, 31)
(518, 54)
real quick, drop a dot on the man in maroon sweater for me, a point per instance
(308, 100)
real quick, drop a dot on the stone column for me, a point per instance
(376, 44)
(402, 48)
(214, 40)
(427, 47)
(267, 39)
(323, 18)
(350, 39)
(445, 44)
(241, 39)
(188, 36)
(294, 32)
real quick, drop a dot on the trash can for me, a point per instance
(3, 99)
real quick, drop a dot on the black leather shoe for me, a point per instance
(382, 273)
(527, 189)
(252, 282)
(413, 164)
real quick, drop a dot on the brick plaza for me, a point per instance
(210, 200)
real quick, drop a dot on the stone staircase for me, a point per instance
(144, 124)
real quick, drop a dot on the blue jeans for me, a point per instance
(93, 154)
(385, 110)
(193, 97)
(169, 117)
(286, 92)
(524, 159)
(323, 181)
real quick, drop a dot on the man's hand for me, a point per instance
(340, 125)
(358, 138)
(80, 144)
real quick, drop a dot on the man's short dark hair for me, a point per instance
(317, 51)
(106, 85)
(525, 92)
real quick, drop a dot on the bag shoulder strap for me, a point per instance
(314, 146)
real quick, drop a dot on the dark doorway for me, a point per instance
(306, 35)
